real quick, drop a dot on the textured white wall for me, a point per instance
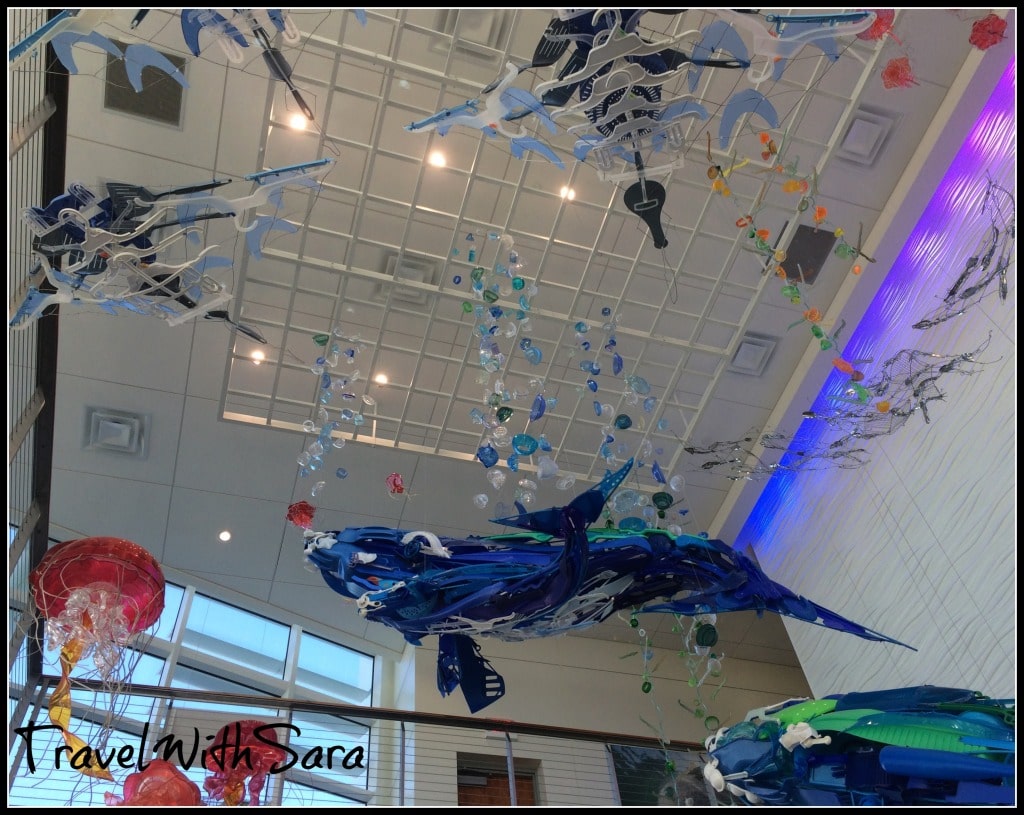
(921, 543)
(596, 685)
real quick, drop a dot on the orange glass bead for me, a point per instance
(843, 365)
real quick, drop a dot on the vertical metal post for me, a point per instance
(401, 765)
(511, 770)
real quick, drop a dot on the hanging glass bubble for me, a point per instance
(616, 364)
(566, 482)
(513, 463)
(638, 384)
(504, 413)
(624, 500)
(546, 467)
(497, 478)
(500, 437)
(662, 500)
(524, 444)
(623, 422)
(488, 455)
(341, 472)
(539, 406)
(677, 483)
(480, 500)
(659, 476)
(545, 445)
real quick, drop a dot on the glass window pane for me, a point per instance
(185, 677)
(237, 635)
(332, 669)
(323, 740)
(172, 605)
(145, 669)
(303, 795)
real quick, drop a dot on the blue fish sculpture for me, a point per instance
(555, 576)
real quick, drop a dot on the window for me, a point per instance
(228, 632)
(206, 644)
(334, 671)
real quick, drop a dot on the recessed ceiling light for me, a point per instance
(437, 159)
(568, 193)
(297, 121)
(225, 536)
(258, 357)
(381, 379)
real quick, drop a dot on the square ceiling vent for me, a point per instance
(866, 135)
(475, 32)
(409, 268)
(752, 354)
(116, 431)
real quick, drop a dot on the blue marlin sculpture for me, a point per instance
(552, 578)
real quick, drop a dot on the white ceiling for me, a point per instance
(224, 435)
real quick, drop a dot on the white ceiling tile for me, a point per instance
(93, 505)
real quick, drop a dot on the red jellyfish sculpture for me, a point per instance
(241, 750)
(95, 594)
(161, 784)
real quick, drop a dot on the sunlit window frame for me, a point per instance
(175, 653)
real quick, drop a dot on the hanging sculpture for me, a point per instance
(989, 267)
(921, 745)
(551, 578)
(244, 753)
(160, 784)
(906, 384)
(96, 595)
(619, 76)
(99, 250)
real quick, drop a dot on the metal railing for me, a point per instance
(407, 758)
